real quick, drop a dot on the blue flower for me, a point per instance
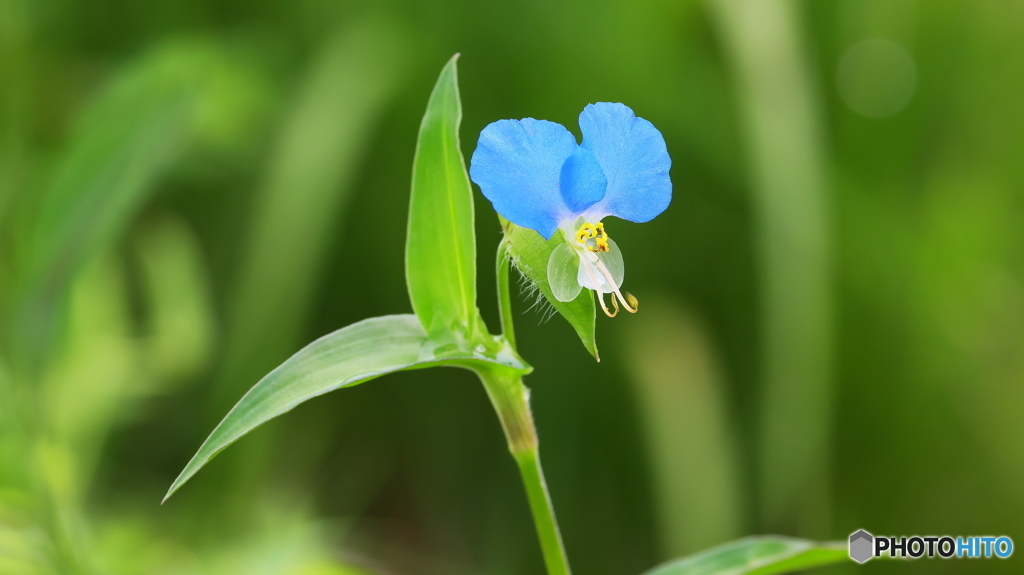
(538, 177)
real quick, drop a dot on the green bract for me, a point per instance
(531, 253)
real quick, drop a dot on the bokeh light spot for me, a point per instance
(876, 78)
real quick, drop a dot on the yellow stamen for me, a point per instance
(595, 232)
(595, 239)
(586, 231)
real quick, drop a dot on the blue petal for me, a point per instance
(583, 182)
(518, 166)
(632, 154)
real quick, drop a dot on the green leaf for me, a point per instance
(530, 253)
(347, 357)
(440, 252)
(766, 555)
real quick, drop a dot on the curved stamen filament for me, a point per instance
(600, 298)
(618, 292)
(600, 294)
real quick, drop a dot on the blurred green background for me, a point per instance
(832, 325)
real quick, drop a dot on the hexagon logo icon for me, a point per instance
(861, 543)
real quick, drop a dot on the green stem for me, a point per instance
(511, 401)
(504, 299)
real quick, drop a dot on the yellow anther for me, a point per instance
(586, 231)
(632, 301)
(602, 243)
(589, 231)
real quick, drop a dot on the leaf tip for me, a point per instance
(452, 62)
(174, 487)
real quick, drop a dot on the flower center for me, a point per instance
(593, 237)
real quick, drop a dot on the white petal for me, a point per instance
(592, 273)
(562, 269)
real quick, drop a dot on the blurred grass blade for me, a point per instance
(347, 357)
(530, 252)
(768, 555)
(179, 301)
(693, 453)
(16, 107)
(123, 142)
(440, 249)
(130, 136)
(304, 195)
(782, 126)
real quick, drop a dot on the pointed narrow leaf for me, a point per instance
(440, 252)
(347, 357)
(768, 555)
(530, 254)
